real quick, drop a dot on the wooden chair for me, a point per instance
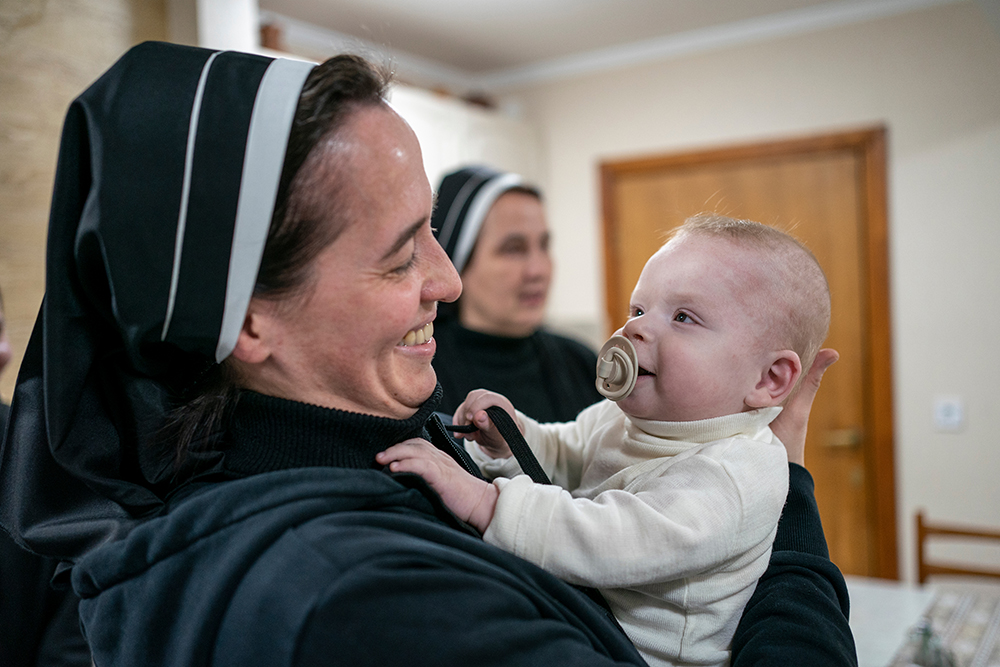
(927, 530)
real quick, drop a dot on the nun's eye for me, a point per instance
(513, 246)
(403, 268)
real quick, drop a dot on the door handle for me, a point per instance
(843, 438)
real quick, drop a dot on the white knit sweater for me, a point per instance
(672, 521)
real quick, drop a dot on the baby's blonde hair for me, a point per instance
(792, 280)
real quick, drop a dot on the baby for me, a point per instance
(668, 500)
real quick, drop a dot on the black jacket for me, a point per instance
(325, 565)
(39, 625)
(320, 564)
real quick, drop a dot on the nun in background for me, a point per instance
(492, 225)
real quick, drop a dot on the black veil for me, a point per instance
(164, 191)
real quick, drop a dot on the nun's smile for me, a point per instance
(424, 334)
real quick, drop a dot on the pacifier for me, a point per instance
(617, 368)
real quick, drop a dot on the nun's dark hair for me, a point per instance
(303, 224)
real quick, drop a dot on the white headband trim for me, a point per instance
(448, 228)
(186, 192)
(267, 138)
(478, 210)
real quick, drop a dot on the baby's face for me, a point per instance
(696, 334)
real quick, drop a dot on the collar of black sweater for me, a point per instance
(266, 433)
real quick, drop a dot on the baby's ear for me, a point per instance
(776, 381)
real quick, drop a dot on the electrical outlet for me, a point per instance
(949, 413)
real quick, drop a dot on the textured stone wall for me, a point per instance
(50, 50)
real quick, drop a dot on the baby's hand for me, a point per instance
(472, 500)
(473, 411)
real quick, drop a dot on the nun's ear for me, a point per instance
(251, 345)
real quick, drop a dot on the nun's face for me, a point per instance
(361, 340)
(506, 282)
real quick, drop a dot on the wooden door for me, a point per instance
(829, 191)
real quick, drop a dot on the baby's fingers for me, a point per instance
(406, 450)
(420, 457)
(482, 420)
(419, 465)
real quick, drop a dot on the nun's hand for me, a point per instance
(791, 425)
(471, 499)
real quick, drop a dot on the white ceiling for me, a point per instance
(496, 44)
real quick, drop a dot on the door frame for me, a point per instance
(869, 144)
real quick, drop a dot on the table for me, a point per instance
(963, 616)
(882, 615)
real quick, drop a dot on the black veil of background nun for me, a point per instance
(166, 181)
(464, 199)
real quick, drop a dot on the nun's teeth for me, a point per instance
(419, 336)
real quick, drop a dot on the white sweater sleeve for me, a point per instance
(686, 517)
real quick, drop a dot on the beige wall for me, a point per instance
(453, 134)
(933, 78)
(49, 52)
